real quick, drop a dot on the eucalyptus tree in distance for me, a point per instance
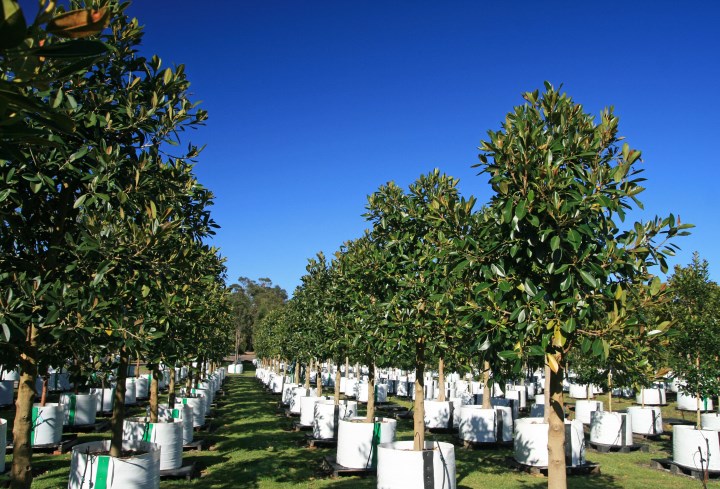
(695, 308)
(560, 182)
(414, 232)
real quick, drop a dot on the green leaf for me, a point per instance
(497, 270)
(520, 210)
(81, 48)
(555, 243)
(12, 24)
(565, 284)
(507, 211)
(588, 279)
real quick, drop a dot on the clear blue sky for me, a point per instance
(314, 104)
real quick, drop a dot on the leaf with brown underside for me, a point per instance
(79, 23)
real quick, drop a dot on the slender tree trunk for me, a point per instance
(44, 391)
(419, 404)
(154, 388)
(698, 419)
(118, 411)
(337, 386)
(308, 369)
(137, 367)
(357, 372)
(557, 478)
(21, 472)
(486, 386)
(441, 380)
(347, 367)
(546, 394)
(171, 388)
(371, 395)
(318, 379)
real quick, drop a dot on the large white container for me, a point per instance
(358, 440)
(78, 409)
(298, 394)
(142, 388)
(235, 368)
(478, 425)
(130, 392)
(197, 404)
(688, 402)
(324, 419)
(580, 391)
(710, 421)
(437, 414)
(531, 440)
(651, 397)
(611, 428)
(206, 395)
(351, 387)
(6, 392)
(167, 434)
(646, 420)
(287, 393)
(307, 409)
(91, 467)
(400, 467)
(403, 388)
(3, 443)
(691, 445)
(380, 392)
(584, 409)
(181, 412)
(47, 424)
(104, 398)
(519, 394)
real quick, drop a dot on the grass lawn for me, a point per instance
(254, 448)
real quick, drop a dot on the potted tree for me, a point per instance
(694, 307)
(561, 181)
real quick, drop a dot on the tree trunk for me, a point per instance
(118, 412)
(698, 420)
(318, 379)
(371, 395)
(154, 388)
(137, 367)
(337, 386)
(347, 367)
(44, 391)
(171, 388)
(486, 386)
(546, 394)
(308, 369)
(441, 380)
(297, 372)
(557, 478)
(21, 472)
(610, 391)
(419, 404)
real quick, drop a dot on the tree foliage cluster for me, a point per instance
(103, 222)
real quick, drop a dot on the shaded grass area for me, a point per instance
(254, 448)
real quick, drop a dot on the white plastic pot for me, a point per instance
(104, 399)
(288, 393)
(611, 428)
(142, 388)
(585, 408)
(710, 421)
(324, 418)
(167, 434)
(235, 368)
(380, 392)
(351, 387)
(531, 440)
(47, 424)
(646, 420)
(437, 414)
(206, 395)
(580, 391)
(691, 445)
(463, 400)
(197, 404)
(307, 409)
(298, 393)
(519, 394)
(403, 388)
(130, 392)
(79, 409)
(184, 413)
(6, 392)
(3, 443)
(401, 467)
(92, 467)
(688, 402)
(651, 397)
(358, 440)
(479, 425)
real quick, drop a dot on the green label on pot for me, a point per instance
(33, 423)
(147, 433)
(102, 472)
(71, 409)
(375, 442)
